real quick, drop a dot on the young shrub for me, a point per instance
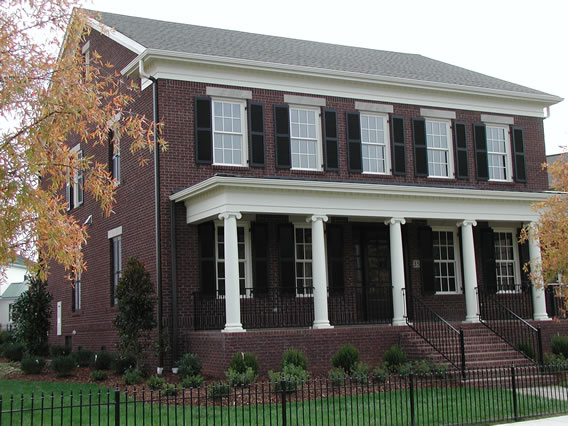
(440, 370)
(170, 390)
(404, 370)
(132, 377)
(346, 357)
(98, 375)
(422, 367)
(527, 349)
(360, 372)
(394, 357)
(103, 360)
(83, 357)
(289, 378)
(122, 363)
(294, 357)
(189, 365)
(192, 381)
(63, 366)
(156, 383)
(219, 390)
(6, 337)
(14, 351)
(58, 350)
(32, 365)
(243, 360)
(236, 378)
(559, 345)
(380, 374)
(337, 376)
(554, 362)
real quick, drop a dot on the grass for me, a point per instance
(432, 406)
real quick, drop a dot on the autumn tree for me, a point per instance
(49, 96)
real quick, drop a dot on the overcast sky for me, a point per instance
(522, 41)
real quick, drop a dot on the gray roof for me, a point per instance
(14, 290)
(193, 39)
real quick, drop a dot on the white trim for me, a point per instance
(508, 154)
(244, 131)
(387, 143)
(367, 106)
(318, 138)
(116, 36)
(449, 149)
(437, 113)
(223, 92)
(497, 119)
(115, 232)
(86, 46)
(304, 100)
(59, 320)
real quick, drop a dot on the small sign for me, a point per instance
(416, 263)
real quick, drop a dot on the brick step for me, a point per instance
(498, 363)
(505, 380)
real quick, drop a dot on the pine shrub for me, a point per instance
(132, 377)
(559, 345)
(103, 360)
(189, 365)
(394, 357)
(98, 375)
(63, 365)
(244, 360)
(346, 357)
(294, 357)
(32, 365)
(14, 351)
(192, 381)
(58, 350)
(83, 357)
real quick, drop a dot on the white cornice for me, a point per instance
(116, 36)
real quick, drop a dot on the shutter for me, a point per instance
(203, 131)
(73, 308)
(354, 142)
(259, 235)
(426, 259)
(488, 255)
(335, 259)
(398, 146)
(519, 153)
(282, 129)
(420, 147)
(480, 152)
(460, 139)
(287, 258)
(524, 258)
(207, 258)
(331, 140)
(256, 134)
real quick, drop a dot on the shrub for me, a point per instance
(122, 363)
(83, 357)
(219, 390)
(6, 337)
(192, 381)
(189, 365)
(294, 357)
(132, 376)
(404, 370)
(103, 360)
(337, 376)
(527, 349)
(58, 350)
(346, 357)
(555, 362)
(63, 365)
(244, 360)
(440, 370)
(170, 390)
(380, 374)
(236, 378)
(394, 357)
(289, 378)
(32, 365)
(422, 367)
(559, 345)
(360, 372)
(14, 351)
(156, 383)
(98, 375)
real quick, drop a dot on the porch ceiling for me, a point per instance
(221, 194)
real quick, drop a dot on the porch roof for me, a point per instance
(220, 194)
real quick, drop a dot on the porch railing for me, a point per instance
(447, 340)
(514, 330)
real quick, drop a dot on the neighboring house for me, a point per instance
(310, 196)
(11, 288)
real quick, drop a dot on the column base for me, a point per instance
(543, 317)
(398, 322)
(317, 325)
(233, 328)
(472, 320)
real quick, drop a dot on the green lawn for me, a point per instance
(432, 406)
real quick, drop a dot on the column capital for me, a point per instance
(227, 215)
(395, 220)
(316, 217)
(466, 222)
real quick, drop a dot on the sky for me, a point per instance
(521, 41)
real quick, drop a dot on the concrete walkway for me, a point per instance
(553, 421)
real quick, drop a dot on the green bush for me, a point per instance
(98, 375)
(555, 362)
(103, 360)
(122, 363)
(132, 377)
(156, 383)
(32, 365)
(170, 390)
(63, 365)
(192, 381)
(6, 337)
(295, 357)
(440, 370)
(559, 345)
(404, 370)
(337, 376)
(58, 350)
(346, 357)
(360, 372)
(422, 367)
(394, 357)
(14, 351)
(527, 349)
(219, 390)
(244, 360)
(289, 378)
(83, 357)
(236, 378)
(189, 365)
(380, 374)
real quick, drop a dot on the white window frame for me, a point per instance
(244, 131)
(304, 261)
(77, 292)
(78, 182)
(387, 153)
(116, 235)
(87, 57)
(249, 290)
(508, 156)
(450, 148)
(457, 262)
(115, 164)
(516, 268)
(318, 138)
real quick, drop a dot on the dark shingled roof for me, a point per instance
(184, 38)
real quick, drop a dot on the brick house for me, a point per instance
(311, 195)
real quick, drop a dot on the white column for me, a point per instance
(321, 319)
(232, 293)
(539, 300)
(469, 271)
(397, 270)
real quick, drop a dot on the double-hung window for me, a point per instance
(115, 238)
(304, 274)
(446, 265)
(439, 146)
(506, 261)
(375, 143)
(305, 138)
(229, 132)
(244, 252)
(498, 152)
(114, 154)
(74, 188)
(76, 305)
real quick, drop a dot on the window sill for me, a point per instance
(448, 293)
(221, 165)
(297, 169)
(377, 173)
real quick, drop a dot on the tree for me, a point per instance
(49, 96)
(31, 316)
(135, 319)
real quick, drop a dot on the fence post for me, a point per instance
(462, 348)
(411, 381)
(283, 391)
(540, 354)
(514, 389)
(116, 406)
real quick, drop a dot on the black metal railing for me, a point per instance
(438, 333)
(514, 330)
(555, 301)
(357, 305)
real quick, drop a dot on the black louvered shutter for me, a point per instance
(203, 131)
(73, 307)
(480, 152)
(519, 152)
(488, 255)
(256, 134)
(282, 130)
(420, 147)
(335, 259)
(207, 258)
(331, 140)
(524, 259)
(426, 259)
(460, 138)
(354, 142)
(398, 146)
(259, 235)
(287, 258)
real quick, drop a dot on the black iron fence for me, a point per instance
(484, 396)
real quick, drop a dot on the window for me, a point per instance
(375, 143)
(244, 247)
(305, 138)
(498, 153)
(116, 271)
(446, 266)
(10, 310)
(114, 154)
(439, 145)
(506, 255)
(229, 132)
(76, 302)
(304, 275)
(86, 58)
(74, 186)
